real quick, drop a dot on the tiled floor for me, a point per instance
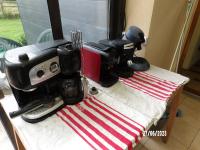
(186, 131)
(185, 134)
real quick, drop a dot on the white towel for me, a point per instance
(113, 119)
(147, 92)
(105, 123)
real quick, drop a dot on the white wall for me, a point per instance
(162, 22)
(139, 13)
(167, 22)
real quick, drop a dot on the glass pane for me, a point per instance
(10, 24)
(11, 29)
(35, 18)
(89, 16)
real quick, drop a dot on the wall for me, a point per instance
(162, 21)
(139, 13)
(167, 21)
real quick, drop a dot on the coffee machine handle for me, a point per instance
(31, 106)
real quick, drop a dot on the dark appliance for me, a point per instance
(42, 80)
(107, 60)
(98, 62)
(46, 77)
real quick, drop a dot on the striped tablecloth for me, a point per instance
(147, 92)
(117, 116)
(113, 119)
(151, 85)
(102, 125)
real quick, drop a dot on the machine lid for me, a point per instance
(26, 53)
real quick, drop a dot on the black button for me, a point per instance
(23, 57)
(40, 73)
(54, 67)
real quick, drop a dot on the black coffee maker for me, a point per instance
(107, 60)
(44, 78)
(126, 47)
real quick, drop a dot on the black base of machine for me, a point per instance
(44, 101)
(124, 71)
(139, 64)
(43, 117)
(108, 80)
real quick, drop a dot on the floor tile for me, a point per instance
(196, 143)
(190, 116)
(155, 143)
(144, 148)
(138, 146)
(144, 139)
(183, 132)
(190, 108)
(192, 102)
(183, 96)
(141, 144)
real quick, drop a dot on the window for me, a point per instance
(92, 17)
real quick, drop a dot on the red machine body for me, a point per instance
(97, 64)
(91, 63)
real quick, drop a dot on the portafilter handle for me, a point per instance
(29, 107)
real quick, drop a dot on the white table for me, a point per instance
(53, 133)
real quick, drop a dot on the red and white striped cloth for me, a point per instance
(146, 92)
(151, 85)
(99, 122)
(101, 126)
(116, 117)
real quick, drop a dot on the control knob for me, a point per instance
(40, 73)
